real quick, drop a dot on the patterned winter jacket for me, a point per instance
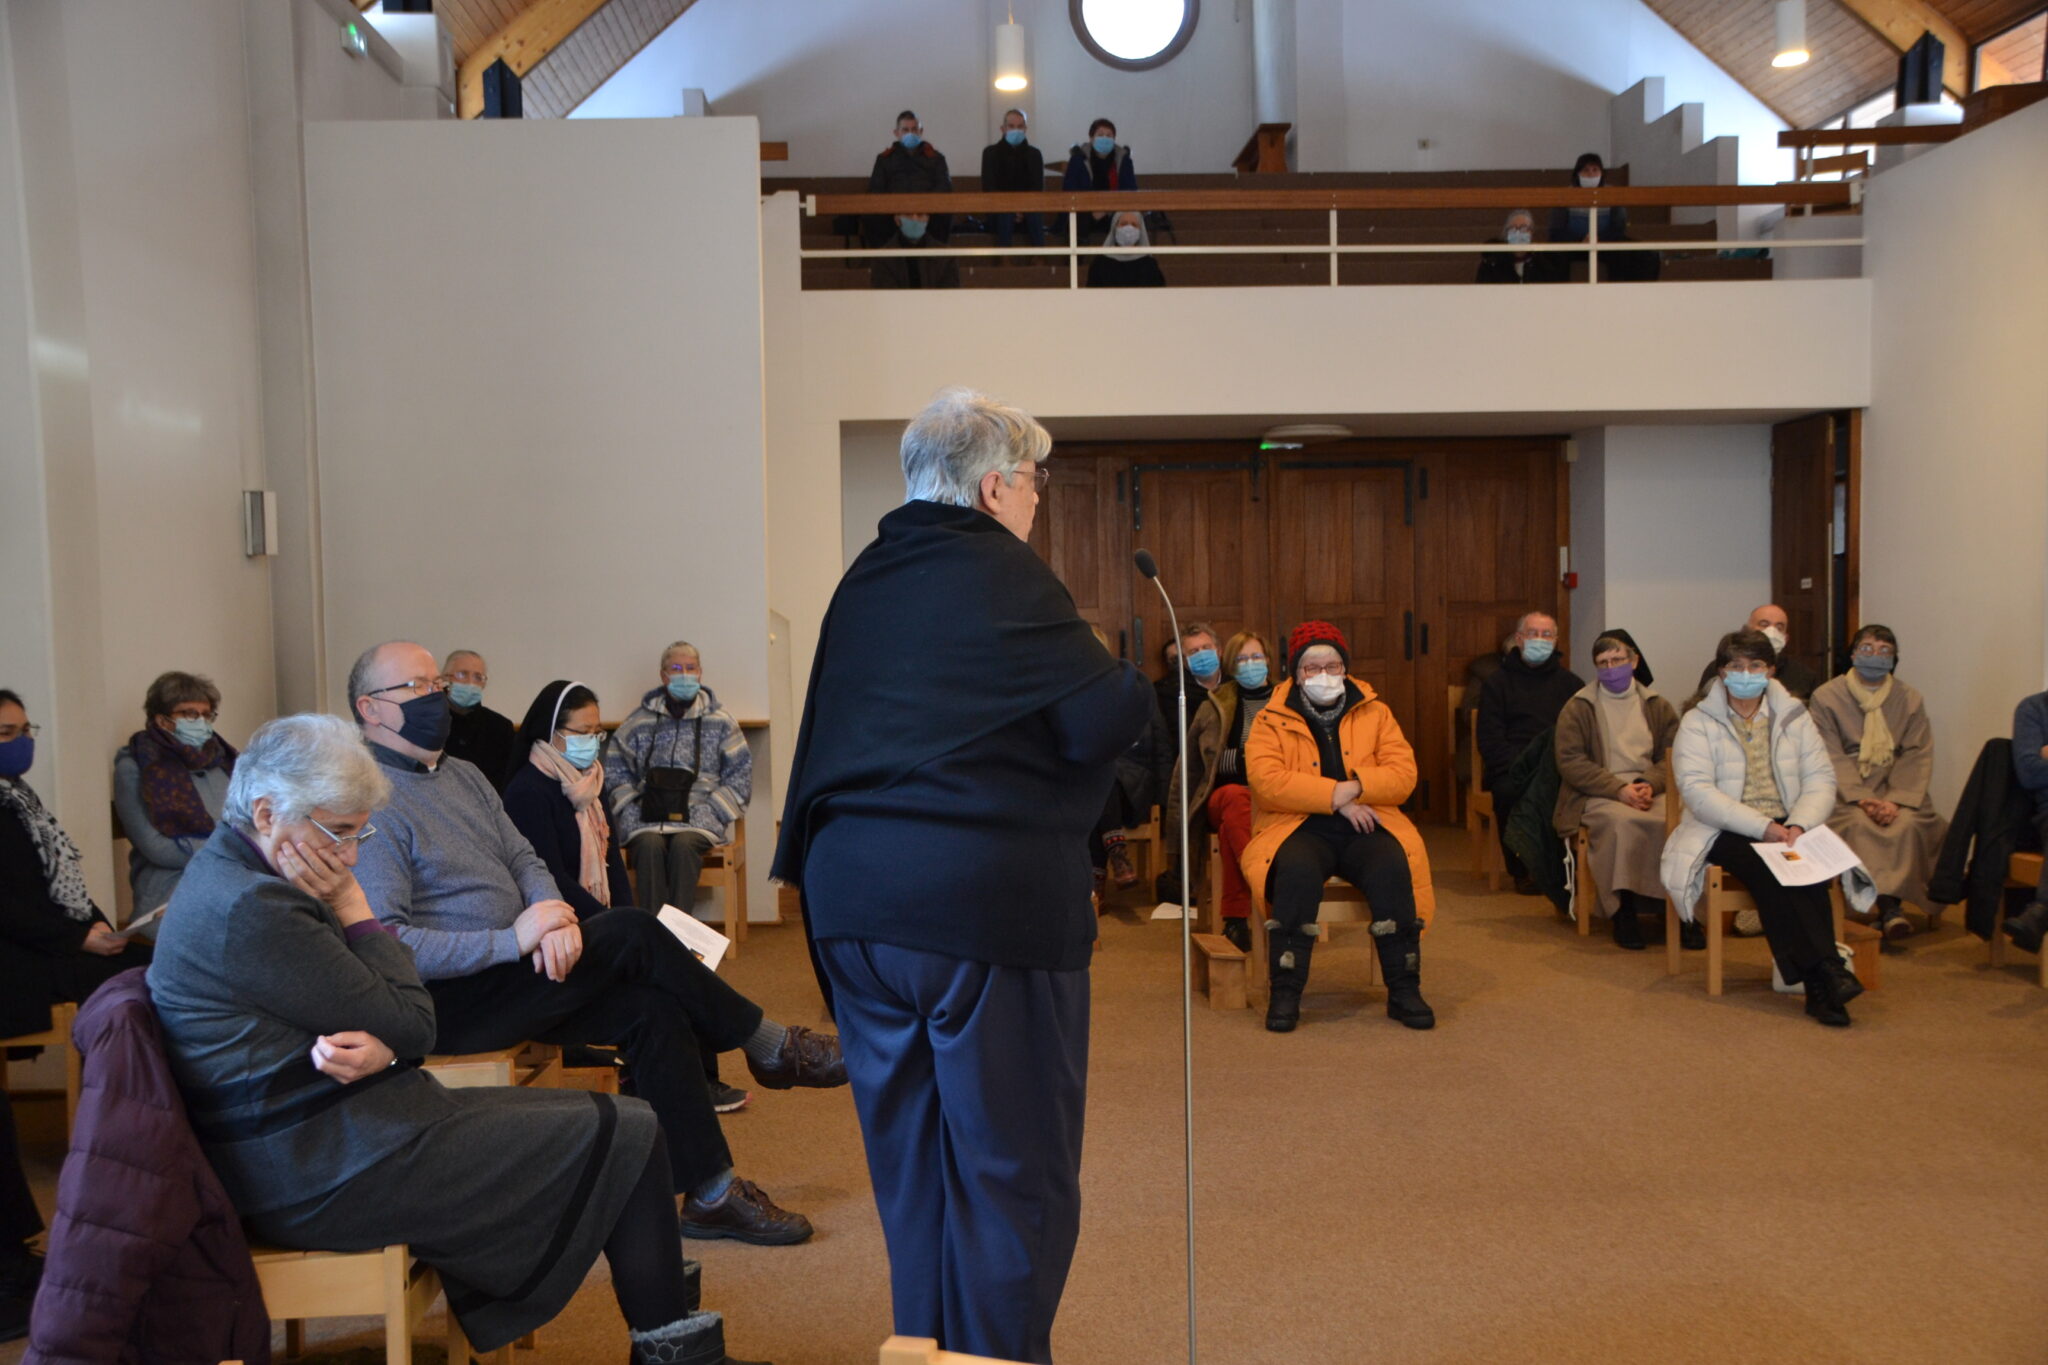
(706, 738)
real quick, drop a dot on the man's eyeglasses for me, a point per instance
(340, 839)
(1335, 670)
(419, 687)
(9, 732)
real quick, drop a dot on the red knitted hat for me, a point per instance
(1311, 633)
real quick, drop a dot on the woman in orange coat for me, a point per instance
(1329, 767)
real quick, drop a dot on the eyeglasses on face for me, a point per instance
(417, 687)
(471, 676)
(341, 839)
(1334, 669)
(29, 728)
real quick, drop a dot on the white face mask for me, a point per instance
(1589, 182)
(1323, 689)
(1127, 235)
(1520, 236)
(1776, 637)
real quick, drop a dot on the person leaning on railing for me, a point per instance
(1575, 225)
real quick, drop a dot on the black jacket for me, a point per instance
(899, 172)
(1012, 170)
(1143, 273)
(944, 787)
(43, 960)
(1995, 815)
(913, 272)
(537, 809)
(1539, 267)
(483, 737)
(1516, 704)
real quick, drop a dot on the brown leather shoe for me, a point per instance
(806, 1059)
(744, 1214)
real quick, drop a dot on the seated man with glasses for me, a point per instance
(1519, 701)
(476, 733)
(507, 960)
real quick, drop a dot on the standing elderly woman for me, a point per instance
(1751, 768)
(1329, 769)
(55, 945)
(1611, 742)
(1217, 794)
(1878, 736)
(959, 739)
(287, 1048)
(170, 780)
(678, 776)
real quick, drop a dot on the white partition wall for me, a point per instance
(537, 361)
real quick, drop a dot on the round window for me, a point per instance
(1134, 34)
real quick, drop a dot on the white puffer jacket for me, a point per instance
(1709, 771)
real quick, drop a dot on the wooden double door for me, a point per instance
(1422, 553)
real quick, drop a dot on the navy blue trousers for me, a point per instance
(970, 1080)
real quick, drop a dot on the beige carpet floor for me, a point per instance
(1585, 1161)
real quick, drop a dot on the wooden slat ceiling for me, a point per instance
(1851, 61)
(594, 52)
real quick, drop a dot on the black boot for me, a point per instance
(1239, 932)
(1821, 1003)
(1288, 969)
(1842, 981)
(698, 1339)
(1692, 936)
(1401, 964)
(1627, 924)
(2029, 927)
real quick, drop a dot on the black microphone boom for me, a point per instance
(1147, 565)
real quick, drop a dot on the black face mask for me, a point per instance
(426, 722)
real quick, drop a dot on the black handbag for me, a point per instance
(665, 797)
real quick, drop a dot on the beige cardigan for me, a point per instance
(1582, 756)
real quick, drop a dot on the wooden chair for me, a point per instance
(1343, 903)
(725, 867)
(538, 1065)
(2022, 873)
(1148, 853)
(1480, 822)
(298, 1285)
(1724, 897)
(925, 1351)
(58, 1035)
(1585, 895)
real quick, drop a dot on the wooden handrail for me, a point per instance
(1275, 201)
(1912, 135)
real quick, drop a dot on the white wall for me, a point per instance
(1498, 87)
(871, 474)
(141, 270)
(1955, 445)
(1685, 540)
(829, 78)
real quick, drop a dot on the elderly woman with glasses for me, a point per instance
(292, 1020)
(55, 944)
(170, 780)
(959, 739)
(1329, 769)
(1879, 739)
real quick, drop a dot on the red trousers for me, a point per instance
(1230, 815)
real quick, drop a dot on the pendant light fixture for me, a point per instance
(1791, 34)
(1010, 74)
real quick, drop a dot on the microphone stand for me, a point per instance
(1150, 568)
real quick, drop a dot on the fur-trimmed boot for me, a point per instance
(1287, 964)
(1401, 964)
(698, 1339)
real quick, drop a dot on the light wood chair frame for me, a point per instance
(302, 1285)
(1481, 824)
(58, 1035)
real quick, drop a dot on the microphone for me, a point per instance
(1149, 567)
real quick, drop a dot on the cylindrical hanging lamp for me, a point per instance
(1010, 74)
(1791, 34)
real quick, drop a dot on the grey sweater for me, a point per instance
(156, 861)
(248, 971)
(447, 868)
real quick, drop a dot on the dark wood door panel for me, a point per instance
(1802, 533)
(1206, 525)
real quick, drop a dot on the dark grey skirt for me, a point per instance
(510, 1200)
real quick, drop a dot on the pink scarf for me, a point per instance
(583, 787)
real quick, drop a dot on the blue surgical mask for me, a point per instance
(1014, 136)
(1874, 666)
(1536, 652)
(17, 755)
(1746, 685)
(193, 731)
(1250, 672)
(911, 229)
(465, 695)
(1203, 663)
(911, 141)
(1520, 236)
(580, 750)
(685, 686)
(1103, 145)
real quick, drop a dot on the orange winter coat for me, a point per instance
(1288, 784)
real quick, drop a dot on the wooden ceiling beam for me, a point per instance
(1901, 22)
(538, 30)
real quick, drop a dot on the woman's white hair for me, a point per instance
(962, 438)
(303, 764)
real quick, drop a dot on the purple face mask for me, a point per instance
(1617, 679)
